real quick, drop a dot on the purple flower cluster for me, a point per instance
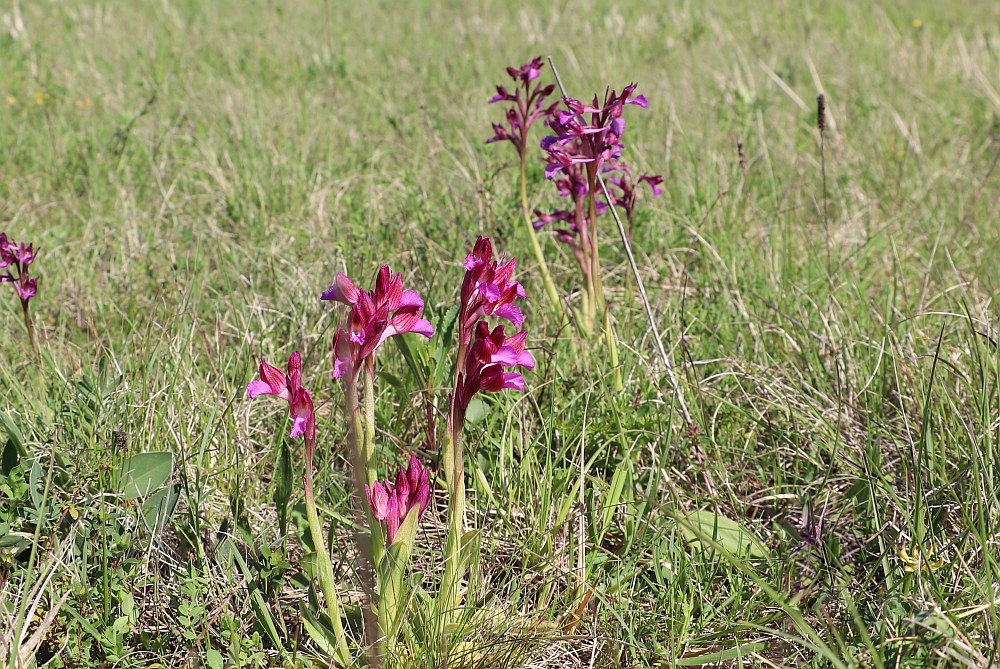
(17, 259)
(587, 141)
(491, 355)
(484, 354)
(375, 316)
(390, 503)
(575, 141)
(488, 289)
(527, 105)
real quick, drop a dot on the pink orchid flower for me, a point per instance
(374, 316)
(288, 386)
(488, 289)
(391, 503)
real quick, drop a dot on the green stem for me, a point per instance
(361, 444)
(612, 344)
(587, 307)
(454, 468)
(368, 412)
(327, 583)
(391, 575)
(543, 267)
(31, 331)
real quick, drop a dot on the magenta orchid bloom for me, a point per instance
(390, 504)
(527, 72)
(18, 257)
(560, 160)
(528, 105)
(288, 386)
(488, 289)
(597, 140)
(374, 316)
(491, 354)
(27, 289)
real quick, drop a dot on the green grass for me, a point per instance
(196, 173)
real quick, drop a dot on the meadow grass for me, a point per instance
(196, 173)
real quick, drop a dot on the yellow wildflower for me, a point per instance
(917, 23)
(40, 97)
(919, 559)
(11, 100)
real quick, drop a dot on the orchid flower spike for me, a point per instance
(390, 503)
(374, 316)
(288, 386)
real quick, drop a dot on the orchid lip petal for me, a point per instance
(513, 381)
(257, 388)
(639, 101)
(423, 327)
(505, 356)
(410, 298)
(512, 313)
(298, 426)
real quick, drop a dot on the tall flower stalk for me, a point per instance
(527, 105)
(398, 507)
(484, 357)
(18, 258)
(576, 231)
(373, 317)
(586, 137)
(288, 387)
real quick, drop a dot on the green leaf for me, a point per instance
(610, 501)
(301, 523)
(14, 436)
(444, 332)
(145, 472)
(416, 366)
(213, 659)
(732, 536)
(725, 655)
(407, 533)
(477, 411)
(21, 540)
(318, 631)
(36, 484)
(156, 510)
(283, 486)
(259, 606)
(263, 615)
(10, 457)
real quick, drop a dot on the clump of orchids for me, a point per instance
(487, 360)
(16, 259)
(585, 141)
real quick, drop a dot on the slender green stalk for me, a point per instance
(543, 267)
(361, 442)
(391, 573)
(327, 583)
(454, 468)
(31, 331)
(368, 414)
(588, 306)
(595, 256)
(612, 344)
